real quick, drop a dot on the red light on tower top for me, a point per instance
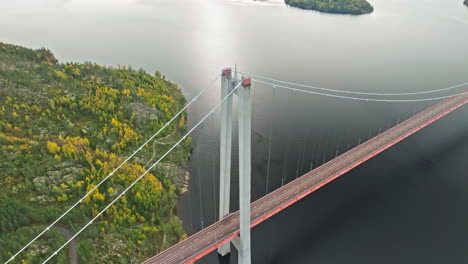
(227, 71)
(246, 82)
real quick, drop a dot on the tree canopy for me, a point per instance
(63, 128)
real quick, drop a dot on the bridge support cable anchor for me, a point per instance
(225, 152)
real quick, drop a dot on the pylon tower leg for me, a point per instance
(225, 152)
(245, 117)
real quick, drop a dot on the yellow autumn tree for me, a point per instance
(53, 147)
(182, 122)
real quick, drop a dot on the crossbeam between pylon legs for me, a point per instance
(225, 152)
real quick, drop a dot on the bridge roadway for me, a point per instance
(210, 238)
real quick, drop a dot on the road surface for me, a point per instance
(72, 255)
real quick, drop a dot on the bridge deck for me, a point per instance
(210, 238)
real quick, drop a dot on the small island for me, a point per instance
(352, 7)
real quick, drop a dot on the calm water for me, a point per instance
(407, 205)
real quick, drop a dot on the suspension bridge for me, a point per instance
(234, 227)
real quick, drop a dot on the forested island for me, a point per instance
(353, 7)
(63, 128)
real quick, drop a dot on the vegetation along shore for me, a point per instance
(63, 128)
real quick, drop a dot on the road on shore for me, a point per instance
(72, 253)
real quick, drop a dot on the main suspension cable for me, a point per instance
(352, 92)
(360, 98)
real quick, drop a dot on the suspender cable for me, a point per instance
(359, 93)
(115, 170)
(269, 145)
(360, 98)
(143, 175)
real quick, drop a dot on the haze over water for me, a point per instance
(406, 205)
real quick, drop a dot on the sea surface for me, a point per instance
(408, 205)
